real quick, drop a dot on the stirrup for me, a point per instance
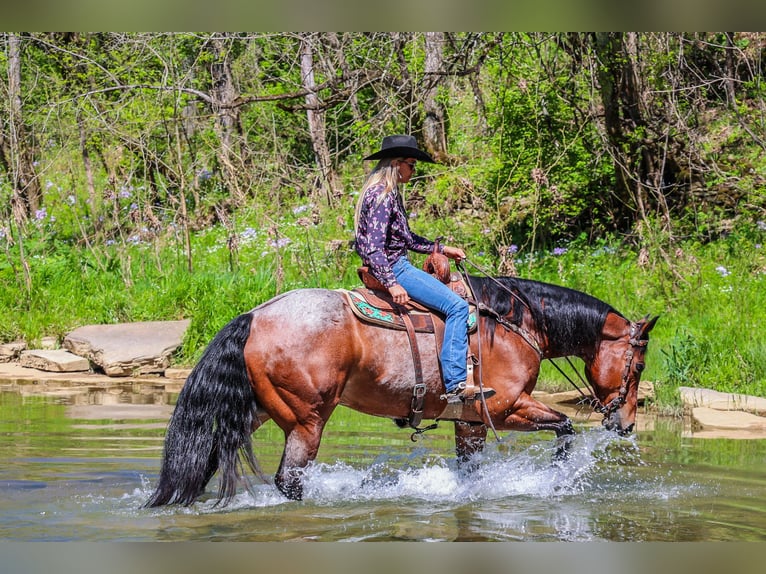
(459, 394)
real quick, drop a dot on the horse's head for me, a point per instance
(616, 370)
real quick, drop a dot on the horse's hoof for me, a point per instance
(401, 423)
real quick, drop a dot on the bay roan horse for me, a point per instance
(295, 358)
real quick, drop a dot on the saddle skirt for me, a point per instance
(378, 308)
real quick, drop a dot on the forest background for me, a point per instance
(156, 176)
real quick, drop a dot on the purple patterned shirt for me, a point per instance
(384, 235)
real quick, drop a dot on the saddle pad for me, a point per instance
(369, 313)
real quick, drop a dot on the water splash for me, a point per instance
(599, 465)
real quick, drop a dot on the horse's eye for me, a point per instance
(639, 367)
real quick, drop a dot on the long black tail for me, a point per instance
(211, 423)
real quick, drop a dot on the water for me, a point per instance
(78, 466)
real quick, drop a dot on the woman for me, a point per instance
(383, 238)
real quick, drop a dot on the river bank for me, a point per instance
(707, 414)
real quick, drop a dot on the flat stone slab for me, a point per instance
(127, 349)
(709, 418)
(694, 397)
(57, 361)
(645, 390)
(177, 373)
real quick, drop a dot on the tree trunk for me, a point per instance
(224, 94)
(316, 122)
(434, 132)
(27, 194)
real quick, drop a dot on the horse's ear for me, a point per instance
(648, 324)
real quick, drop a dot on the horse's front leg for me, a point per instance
(469, 439)
(529, 414)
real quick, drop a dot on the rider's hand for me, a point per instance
(454, 253)
(399, 294)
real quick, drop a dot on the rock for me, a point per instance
(645, 389)
(177, 373)
(709, 418)
(57, 361)
(128, 348)
(10, 351)
(694, 397)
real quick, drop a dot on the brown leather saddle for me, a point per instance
(374, 304)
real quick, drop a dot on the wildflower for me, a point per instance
(513, 249)
(204, 174)
(761, 225)
(248, 234)
(757, 245)
(279, 243)
(300, 209)
(125, 193)
(70, 199)
(722, 271)
(41, 214)
(559, 251)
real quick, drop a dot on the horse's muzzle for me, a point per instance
(613, 423)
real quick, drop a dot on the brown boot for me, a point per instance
(462, 393)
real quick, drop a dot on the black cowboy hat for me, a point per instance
(401, 146)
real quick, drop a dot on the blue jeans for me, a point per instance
(432, 293)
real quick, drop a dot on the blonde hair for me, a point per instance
(385, 171)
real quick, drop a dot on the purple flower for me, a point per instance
(41, 214)
(279, 243)
(722, 271)
(559, 251)
(513, 249)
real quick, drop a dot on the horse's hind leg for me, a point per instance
(469, 439)
(301, 447)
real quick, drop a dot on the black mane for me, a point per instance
(570, 320)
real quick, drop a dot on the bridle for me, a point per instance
(592, 400)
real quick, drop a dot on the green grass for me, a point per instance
(711, 298)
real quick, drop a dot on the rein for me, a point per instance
(592, 400)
